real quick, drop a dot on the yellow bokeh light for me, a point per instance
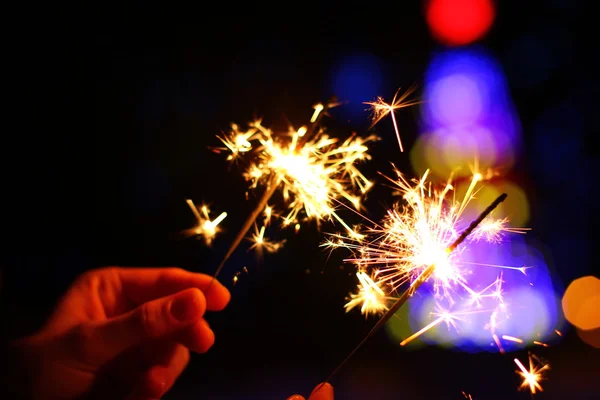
(515, 207)
(398, 328)
(591, 337)
(446, 152)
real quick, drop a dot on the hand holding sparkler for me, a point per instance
(117, 332)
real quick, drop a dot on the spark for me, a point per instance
(492, 230)
(260, 243)
(370, 296)
(443, 316)
(268, 214)
(206, 227)
(380, 109)
(541, 343)
(533, 375)
(512, 339)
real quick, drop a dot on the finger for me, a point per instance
(323, 391)
(100, 342)
(198, 337)
(296, 397)
(144, 284)
(161, 376)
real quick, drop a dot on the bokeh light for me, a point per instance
(459, 22)
(558, 142)
(581, 302)
(398, 328)
(534, 57)
(515, 207)
(355, 79)
(467, 115)
(591, 337)
(530, 306)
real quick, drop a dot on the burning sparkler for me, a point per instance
(414, 240)
(206, 227)
(313, 171)
(533, 375)
(413, 244)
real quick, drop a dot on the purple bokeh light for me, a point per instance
(466, 94)
(528, 310)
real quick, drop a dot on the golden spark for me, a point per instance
(380, 109)
(206, 227)
(533, 375)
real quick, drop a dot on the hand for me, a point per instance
(323, 391)
(121, 332)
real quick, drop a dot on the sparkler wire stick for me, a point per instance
(268, 193)
(422, 278)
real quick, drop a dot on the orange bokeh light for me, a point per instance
(459, 22)
(580, 303)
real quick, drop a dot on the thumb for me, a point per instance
(101, 342)
(323, 391)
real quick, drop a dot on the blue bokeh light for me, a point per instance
(558, 144)
(527, 310)
(466, 94)
(356, 78)
(532, 59)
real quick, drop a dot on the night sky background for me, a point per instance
(110, 189)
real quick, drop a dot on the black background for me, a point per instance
(109, 189)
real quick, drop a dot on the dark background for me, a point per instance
(110, 189)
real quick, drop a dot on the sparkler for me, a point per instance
(414, 244)
(312, 170)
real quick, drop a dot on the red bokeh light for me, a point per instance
(459, 22)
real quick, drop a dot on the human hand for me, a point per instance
(323, 391)
(121, 333)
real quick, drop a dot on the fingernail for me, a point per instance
(186, 307)
(323, 389)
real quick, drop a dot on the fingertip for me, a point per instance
(208, 336)
(156, 384)
(188, 305)
(323, 391)
(295, 397)
(198, 338)
(218, 296)
(152, 386)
